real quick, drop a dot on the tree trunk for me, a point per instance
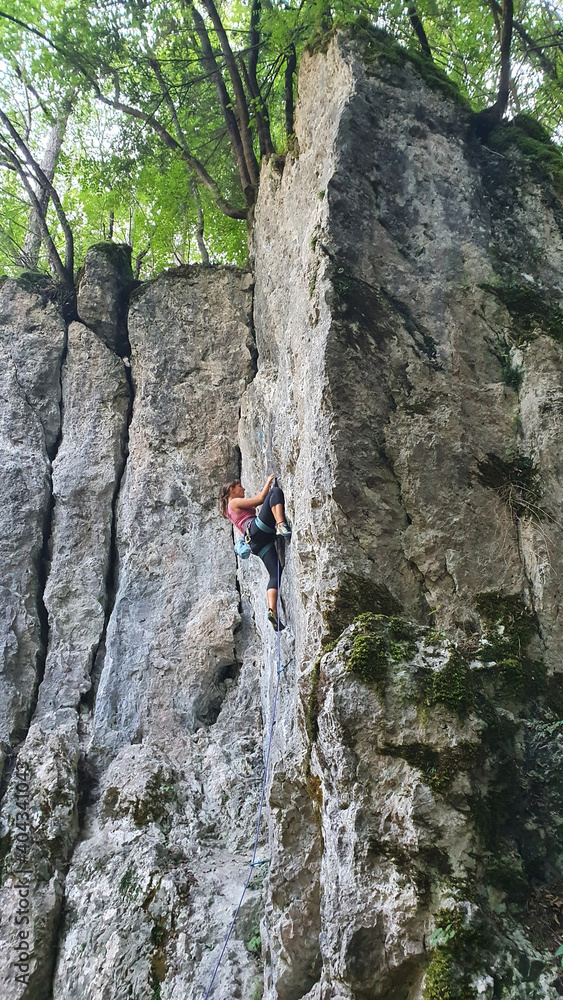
(238, 89)
(419, 31)
(506, 40)
(32, 243)
(290, 65)
(200, 222)
(214, 72)
(485, 121)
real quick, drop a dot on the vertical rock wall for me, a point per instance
(33, 343)
(400, 322)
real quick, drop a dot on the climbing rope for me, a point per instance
(254, 863)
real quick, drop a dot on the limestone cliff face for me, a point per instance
(396, 356)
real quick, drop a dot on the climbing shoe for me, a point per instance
(273, 618)
(283, 529)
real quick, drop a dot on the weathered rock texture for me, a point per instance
(33, 338)
(402, 372)
(398, 267)
(103, 293)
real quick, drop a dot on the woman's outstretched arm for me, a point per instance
(243, 503)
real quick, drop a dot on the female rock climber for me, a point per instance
(241, 511)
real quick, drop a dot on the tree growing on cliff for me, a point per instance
(175, 103)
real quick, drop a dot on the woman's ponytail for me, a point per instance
(224, 495)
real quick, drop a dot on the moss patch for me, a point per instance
(154, 807)
(438, 767)
(452, 685)
(377, 641)
(534, 142)
(118, 253)
(254, 943)
(508, 630)
(421, 867)
(510, 374)
(378, 47)
(453, 958)
(129, 885)
(355, 596)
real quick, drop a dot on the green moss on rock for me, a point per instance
(313, 704)
(457, 946)
(119, 254)
(534, 142)
(438, 767)
(509, 625)
(508, 630)
(377, 641)
(154, 806)
(452, 685)
(378, 47)
(440, 982)
(357, 595)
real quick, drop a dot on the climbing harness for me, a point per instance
(254, 863)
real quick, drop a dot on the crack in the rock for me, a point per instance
(44, 565)
(87, 777)
(42, 569)
(112, 573)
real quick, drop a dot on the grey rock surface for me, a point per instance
(32, 339)
(401, 404)
(40, 814)
(176, 728)
(103, 293)
(86, 477)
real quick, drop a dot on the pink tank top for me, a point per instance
(240, 518)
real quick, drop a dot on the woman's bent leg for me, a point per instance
(269, 509)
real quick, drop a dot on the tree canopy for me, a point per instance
(146, 122)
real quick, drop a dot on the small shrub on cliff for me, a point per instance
(453, 958)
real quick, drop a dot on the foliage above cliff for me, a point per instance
(150, 120)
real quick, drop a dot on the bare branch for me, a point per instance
(50, 248)
(210, 63)
(44, 183)
(240, 96)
